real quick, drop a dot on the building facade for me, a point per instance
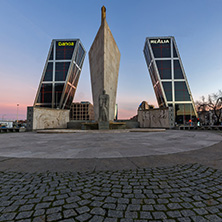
(82, 111)
(61, 74)
(169, 78)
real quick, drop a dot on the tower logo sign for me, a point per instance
(65, 43)
(159, 41)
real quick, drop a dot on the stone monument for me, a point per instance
(104, 59)
(103, 122)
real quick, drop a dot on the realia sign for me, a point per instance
(159, 41)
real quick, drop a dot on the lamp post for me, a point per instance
(17, 112)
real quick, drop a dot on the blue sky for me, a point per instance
(28, 26)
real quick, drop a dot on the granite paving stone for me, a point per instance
(145, 215)
(54, 217)
(98, 211)
(39, 212)
(96, 218)
(131, 214)
(69, 213)
(121, 207)
(83, 217)
(24, 215)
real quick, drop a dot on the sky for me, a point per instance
(28, 27)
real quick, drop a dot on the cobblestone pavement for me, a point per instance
(190, 192)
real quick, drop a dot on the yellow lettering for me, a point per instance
(65, 43)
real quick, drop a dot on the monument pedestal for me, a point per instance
(103, 125)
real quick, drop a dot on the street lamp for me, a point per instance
(17, 112)
(3, 116)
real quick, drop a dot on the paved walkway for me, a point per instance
(80, 152)
(181, 193)
(171, 186)
(106, 144)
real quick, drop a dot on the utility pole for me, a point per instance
(3, 116)
(17, 112)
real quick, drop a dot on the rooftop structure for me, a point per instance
(168, 77)
(61, 74)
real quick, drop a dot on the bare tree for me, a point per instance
(202, 110)
(215, 104)
(202, 105)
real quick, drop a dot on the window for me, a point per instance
(68, 87)
(48, 72)
(61, 70)
(153, 74)
(181, 92)
(164, 68)
(45, 95)
(70, 98)
(167, 86)
(73, 74)
(174, 52)
(159, 95)
(184, 113)
(76, 78)
(147, 54)
(51, 54)
(58, 93)
(178, 74)
(79, 55)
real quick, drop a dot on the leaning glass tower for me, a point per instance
(61, 74)
(169, 78)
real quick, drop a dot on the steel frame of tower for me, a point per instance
(153, 61)
(64, 98)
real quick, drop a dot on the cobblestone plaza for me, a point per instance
(189, 192)
(179, 186)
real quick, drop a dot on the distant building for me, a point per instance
(82, 111)
(169, 78)
(61, 74)
(144, 106)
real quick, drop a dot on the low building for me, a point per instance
(6, 124)
(81, 111)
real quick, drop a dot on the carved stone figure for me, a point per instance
(104, 107)
(103, 9)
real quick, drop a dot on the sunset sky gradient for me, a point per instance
(28, 27)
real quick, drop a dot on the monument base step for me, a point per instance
(95, 126)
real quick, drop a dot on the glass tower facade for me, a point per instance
(61, 74)
(168, 78)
